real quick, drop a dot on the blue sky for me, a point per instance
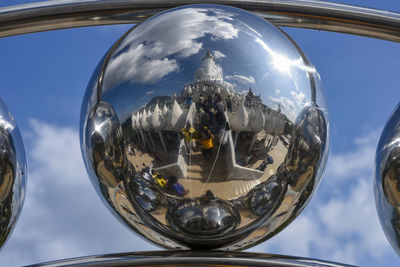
(43, 79)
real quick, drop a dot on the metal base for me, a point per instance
(191, 258)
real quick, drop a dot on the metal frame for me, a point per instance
(54, 15)
(192, 258)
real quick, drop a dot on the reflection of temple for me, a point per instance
(243, 129)
(208, 161)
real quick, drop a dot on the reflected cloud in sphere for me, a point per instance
(205, 127)
(387, 180)
(12, 173)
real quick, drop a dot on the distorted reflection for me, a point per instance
(387, 180)
(209, 143)
(306, 148)
(391, 177)
(204, 216)
(12, 173)
(108, 151)
(266, 197)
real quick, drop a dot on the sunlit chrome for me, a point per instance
(387, 180)
(319, 15)
(205, 127)
(12, 173)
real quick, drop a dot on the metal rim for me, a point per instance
(192, 258)
(53, 15)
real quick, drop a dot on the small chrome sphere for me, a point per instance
(12, 173)
(387, 180)
(205, 127)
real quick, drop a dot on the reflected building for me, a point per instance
(243, 135)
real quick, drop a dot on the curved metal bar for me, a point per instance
(192, 258)
(53, 15)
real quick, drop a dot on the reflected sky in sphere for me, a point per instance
(160, 59)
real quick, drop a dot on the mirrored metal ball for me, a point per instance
(12, 173)
(205, 127)
(387, 180)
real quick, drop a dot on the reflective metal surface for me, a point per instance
(311, 14)
(192, 258)
(205, 127)
(12, 173)
(387, 180)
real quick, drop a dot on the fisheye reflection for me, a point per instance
(266, 197)
(12, 173)
(210, 156)
(306, 148)
(208, 125)
(7, 164)
(387, 179)
(391, 177)
(205, 216)
(220, 148)
(108, 150)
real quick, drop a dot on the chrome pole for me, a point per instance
(54, 15)
(192, 258)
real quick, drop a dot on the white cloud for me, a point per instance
(241, 79)
(217, 54)
(135, 67)
(62, 216)
(354, 162)
(298, 98)
(145, 57)
(341, 223)
(287, 106)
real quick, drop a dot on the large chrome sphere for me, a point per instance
(205, 127)
(12, 173)
(387, 180)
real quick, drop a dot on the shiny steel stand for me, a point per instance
(192, 258)
(53, 15)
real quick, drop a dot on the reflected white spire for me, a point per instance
(209, 69)
(133, 119)
(138, 124)
(240, 119)
(269, 122)
(175, 117)
(145, 124)
(156, 119)
(257, 121)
